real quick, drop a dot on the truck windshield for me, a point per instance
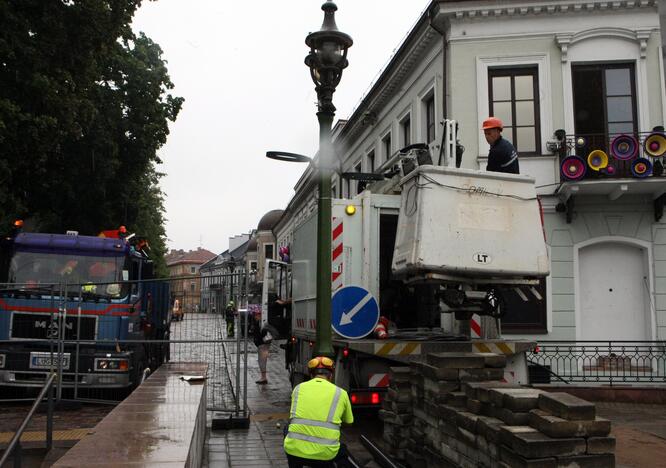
(101, 276)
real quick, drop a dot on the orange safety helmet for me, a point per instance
(492, 122)
(321, 362)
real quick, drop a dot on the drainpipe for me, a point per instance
(445, 48)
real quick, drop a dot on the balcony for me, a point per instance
(612, 166)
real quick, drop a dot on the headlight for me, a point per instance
(2, 361)
(105, 364)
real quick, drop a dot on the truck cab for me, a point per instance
(67, 302)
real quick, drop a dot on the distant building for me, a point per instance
(225, 277)
(266, 245)
(184, 269)
(236, 273)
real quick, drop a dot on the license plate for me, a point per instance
(46, 360)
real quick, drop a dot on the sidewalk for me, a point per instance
(261, 444)
(640, 433)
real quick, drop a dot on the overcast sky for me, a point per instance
(239, 66)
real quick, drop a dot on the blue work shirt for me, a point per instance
(503, 157)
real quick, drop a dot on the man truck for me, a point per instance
(68, 301)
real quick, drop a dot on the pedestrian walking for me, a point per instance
(262, 338)
(230, 317)
(502, 156)
(318, 408)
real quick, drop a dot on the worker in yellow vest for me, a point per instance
(318, 408)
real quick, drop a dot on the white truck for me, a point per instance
(441, 248)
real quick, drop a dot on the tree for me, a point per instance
(84, 107)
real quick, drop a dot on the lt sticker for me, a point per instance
(482, 258)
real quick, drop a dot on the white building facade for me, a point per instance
(591, 68)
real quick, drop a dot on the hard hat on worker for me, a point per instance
(320, 363)
(492, 122)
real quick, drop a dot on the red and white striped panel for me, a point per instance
(336, 254)
(510, 377)
(378, 380)
(475, 326)
(313, 324)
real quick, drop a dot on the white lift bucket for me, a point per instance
(471, 227)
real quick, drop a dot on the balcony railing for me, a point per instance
(615, 156)
(598, 362)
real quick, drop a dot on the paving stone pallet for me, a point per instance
(455, 410)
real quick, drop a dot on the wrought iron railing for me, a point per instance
(632, 155)
(598, 362)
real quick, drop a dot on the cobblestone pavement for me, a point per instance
(64, 419)
(261, 444)
(640, 432)
(210, 345)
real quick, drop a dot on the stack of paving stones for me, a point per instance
(454, 410)
(396, 412)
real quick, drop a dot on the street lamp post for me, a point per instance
(326, 60)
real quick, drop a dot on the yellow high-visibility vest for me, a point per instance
(318, 407)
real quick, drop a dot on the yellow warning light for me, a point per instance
(350, 209)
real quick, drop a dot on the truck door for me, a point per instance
(276, 297)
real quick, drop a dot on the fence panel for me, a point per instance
(602, 362)
(85, 336)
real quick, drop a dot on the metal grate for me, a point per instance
(40, 326)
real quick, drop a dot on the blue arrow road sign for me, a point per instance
(354, 313)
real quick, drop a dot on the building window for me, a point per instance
(193, 287)
(193, 270)
(253, 266)
(526, 309)
(268, 251)
(429, 104)
(371, 161)
(513, 95)
(386, 146)
(604, 101)
(406, 131)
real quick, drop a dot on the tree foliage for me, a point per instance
(84, 106)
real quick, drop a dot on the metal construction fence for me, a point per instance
(198, 338)
(598, 362)
(57, 328)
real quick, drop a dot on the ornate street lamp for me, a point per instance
(326, 60)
